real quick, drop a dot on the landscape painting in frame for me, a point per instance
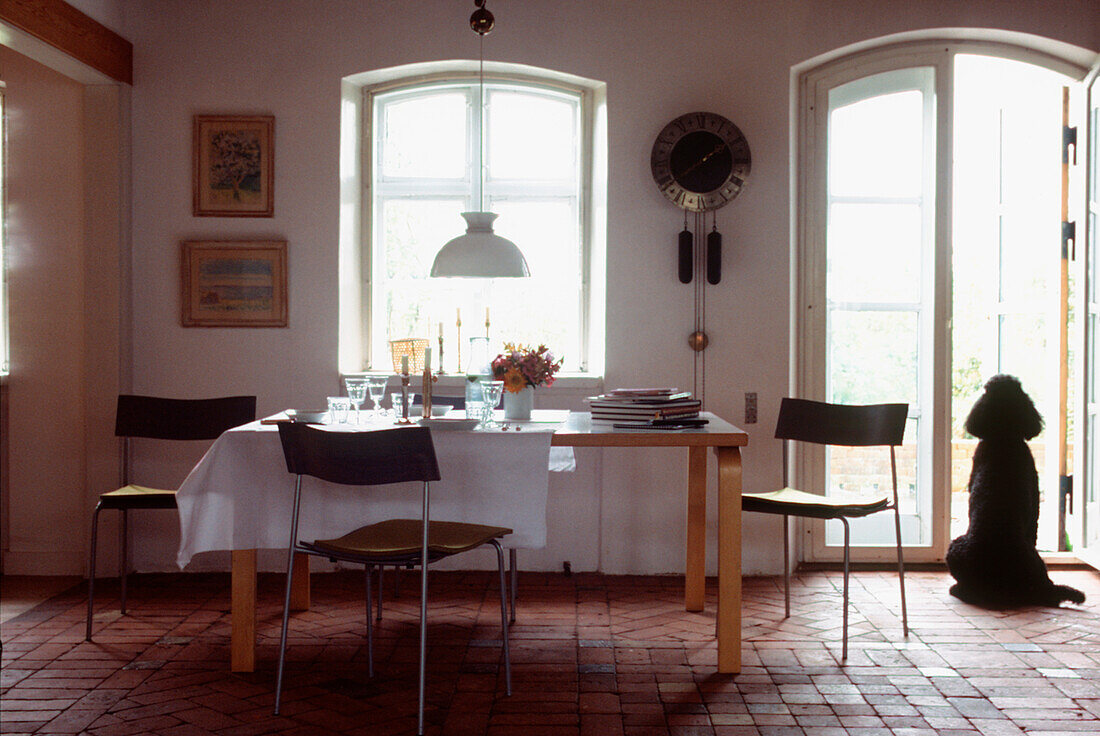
(234, 283)
(234, 171)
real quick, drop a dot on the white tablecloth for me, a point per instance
(240, 494)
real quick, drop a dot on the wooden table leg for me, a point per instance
(729, 559)
(299, 589)
(242, 612)
(695, 565)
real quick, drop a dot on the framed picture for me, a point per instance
(234, 166)
(238, 283)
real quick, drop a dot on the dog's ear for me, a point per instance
(1004, 411)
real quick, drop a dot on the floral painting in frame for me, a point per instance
(234, 167)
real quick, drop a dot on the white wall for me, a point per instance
(658, 59)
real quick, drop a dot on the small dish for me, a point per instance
(307, 417)
(446, 424)
(438, 410)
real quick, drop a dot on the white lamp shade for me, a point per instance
(480, 253)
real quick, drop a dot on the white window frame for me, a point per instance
(357, 158)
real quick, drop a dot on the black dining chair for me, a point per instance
(822, 423)
(157, 418)
(377, 458)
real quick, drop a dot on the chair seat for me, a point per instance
(401, 537)
(138, 497)
(793, 502)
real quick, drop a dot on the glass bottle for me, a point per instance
(478, 368)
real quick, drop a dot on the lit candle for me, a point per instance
(404, 364)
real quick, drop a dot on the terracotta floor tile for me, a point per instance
(592, 655)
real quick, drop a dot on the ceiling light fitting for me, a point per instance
(480, 253)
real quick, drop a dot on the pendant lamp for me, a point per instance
(480, 253)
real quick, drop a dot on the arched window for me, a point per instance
(430, 151)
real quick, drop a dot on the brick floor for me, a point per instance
(592, 655)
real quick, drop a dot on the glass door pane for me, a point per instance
(878, 285)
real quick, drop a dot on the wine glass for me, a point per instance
(376, 386)
(357, 392)
(490, 392)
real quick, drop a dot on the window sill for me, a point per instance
(568, 381)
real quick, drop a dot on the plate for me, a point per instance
(448, 423)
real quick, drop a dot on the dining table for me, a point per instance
(238, 498)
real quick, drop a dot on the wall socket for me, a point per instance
(750, 407)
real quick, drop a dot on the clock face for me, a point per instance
(700, 161)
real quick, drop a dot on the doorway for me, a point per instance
(1005, 269)
(930, 194)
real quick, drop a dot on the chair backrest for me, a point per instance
(841, 424)
(360, 458)
(181, 419)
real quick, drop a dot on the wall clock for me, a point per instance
(700, 161)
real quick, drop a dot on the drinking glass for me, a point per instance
(357, 392)
(376, 386)
(490, 392)
(338, 408)
(395, 401)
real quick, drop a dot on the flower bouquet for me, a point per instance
(519, 367)
(522, 370)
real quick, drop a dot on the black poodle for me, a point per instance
(995, 562)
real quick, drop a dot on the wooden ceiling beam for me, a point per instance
(65, 28)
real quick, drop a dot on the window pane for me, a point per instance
(531, 137)
(873, 357)
(545, 308)
(874, 253)
(424, 136)
(413, 230)
(875, 146)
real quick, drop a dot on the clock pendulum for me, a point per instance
(700, 162)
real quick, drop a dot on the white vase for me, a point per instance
(519, 405)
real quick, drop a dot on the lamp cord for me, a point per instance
(481, 121)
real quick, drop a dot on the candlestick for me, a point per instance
(403, 417)
(426, 384)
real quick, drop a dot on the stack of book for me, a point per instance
(645, 407)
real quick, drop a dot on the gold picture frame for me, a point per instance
(233, 283)
(233, 166)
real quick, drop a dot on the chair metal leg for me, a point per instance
(123, 558)
(368, 570)
(381, 569)
(423, 618)
(844, 649)
(504, 617)
(786, 568)
(901, 572)
(282, 636)
(91, 571)
(286, 599)
(514, 569)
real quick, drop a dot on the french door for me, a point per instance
(926, 263)
(1084, 519)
